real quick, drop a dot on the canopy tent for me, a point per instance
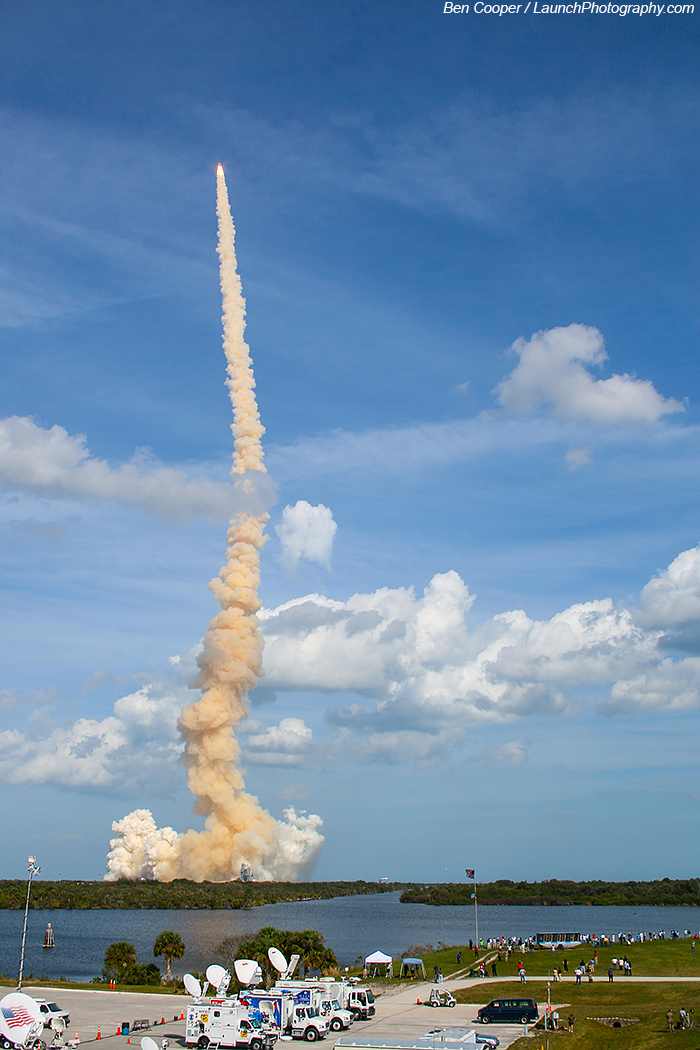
(410, 966)
(380, 959)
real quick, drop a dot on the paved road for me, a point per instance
(397, 1011)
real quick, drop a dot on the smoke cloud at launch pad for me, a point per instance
(238, 831)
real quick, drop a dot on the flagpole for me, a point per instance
(476, 915)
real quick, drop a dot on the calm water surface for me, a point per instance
(352, 926)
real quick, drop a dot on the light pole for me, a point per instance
(33, 870)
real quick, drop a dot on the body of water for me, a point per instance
(351, 926)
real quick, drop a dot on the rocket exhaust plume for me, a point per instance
(238, 830)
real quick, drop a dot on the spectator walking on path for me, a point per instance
(522, 975)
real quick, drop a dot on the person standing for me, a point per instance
(522, 975)
(669, 1020)
(571, 1022)
(611, 973)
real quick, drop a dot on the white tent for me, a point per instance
(380, 959)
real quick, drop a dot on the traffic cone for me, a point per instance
(162, 1020)
(128, 1040)
(119, 1029)
(182, 1017)
(99, 1034)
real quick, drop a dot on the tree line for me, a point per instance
(121, 964)
(180, 893)
(670, 892)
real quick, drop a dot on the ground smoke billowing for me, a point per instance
(238, 830)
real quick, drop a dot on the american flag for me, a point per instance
(470, 873)
(16, 1016)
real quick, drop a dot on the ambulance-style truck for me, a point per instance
(323, 994)
(292, 1013)
(224, 1022)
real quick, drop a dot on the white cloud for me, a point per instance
(284, 745)
(673, 597)
(137, 742)
(577, 458)
(56, 464)
(421, 670)
(668, 686)
(513, 753)
(553, 373)
(306, 532)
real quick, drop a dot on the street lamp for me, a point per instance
(33, 870)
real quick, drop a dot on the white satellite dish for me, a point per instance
(277, 959)
(246, 970)
(148, 1044)
(58, 1025)
(19, 1015)
(292, 966)
(215, 974)
(192, 985)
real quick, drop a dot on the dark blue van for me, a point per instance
(509, 1011)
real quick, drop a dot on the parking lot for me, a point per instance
(398, 1014)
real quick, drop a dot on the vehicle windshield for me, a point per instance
(370, 995)
(335, 1004)
(54, 1006)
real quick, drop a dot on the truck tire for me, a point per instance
(357, 1014)
(524, 1019)
(311, 1035)
(336, 1024)
(484, 1018)
(203, 1042)
(256, 1044)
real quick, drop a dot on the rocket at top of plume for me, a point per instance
(219, 170)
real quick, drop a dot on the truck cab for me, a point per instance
(308, 1024)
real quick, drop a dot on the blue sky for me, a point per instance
(417, 196)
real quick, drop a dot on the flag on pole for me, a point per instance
(470, 873)
(473, 896)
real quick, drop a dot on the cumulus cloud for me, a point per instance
(554, 373)
(306, 532)
(284, 745)
(420, 670)
(673, 597)
(53, 463)
(137, 742)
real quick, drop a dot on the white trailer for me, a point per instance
(290, 1012)
(323, 994)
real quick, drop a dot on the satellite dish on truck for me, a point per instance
(218, 978)
(148, 1044)
(277, 959)
(20, 1018)
(192, 985)
(247, 971)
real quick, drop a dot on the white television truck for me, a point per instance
(354, 997)
(224, 1022)
(324, 996)
(291, 1013)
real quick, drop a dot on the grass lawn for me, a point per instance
(650, 959)
(648, 1002)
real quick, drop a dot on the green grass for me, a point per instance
(648, 1002)
(650, 959)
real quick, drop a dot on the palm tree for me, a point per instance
(118, 958)
(169, 944)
